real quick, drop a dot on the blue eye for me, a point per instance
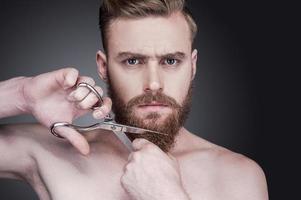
(132, 61)
(170, 61)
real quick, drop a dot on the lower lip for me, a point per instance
(152, 108)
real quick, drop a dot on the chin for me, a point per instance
(156, 122)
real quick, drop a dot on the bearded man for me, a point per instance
(149, 64)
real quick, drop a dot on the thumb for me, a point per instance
(75, 138)
(66, 77)
(140, 143)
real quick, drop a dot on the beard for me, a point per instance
(125, 114)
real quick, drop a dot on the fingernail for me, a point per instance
(104, 108)
(99, 114)
(85, 151)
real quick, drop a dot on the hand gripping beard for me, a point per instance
(124, 114)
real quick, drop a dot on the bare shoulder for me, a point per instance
(16, 144)
(241, 174)
(237, 176)
(18, 134)
(28, 134)
(38, 139)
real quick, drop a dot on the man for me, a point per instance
(149, 65)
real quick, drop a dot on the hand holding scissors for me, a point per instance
(107, 124)
(54, 96)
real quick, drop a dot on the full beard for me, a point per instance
(125, 114)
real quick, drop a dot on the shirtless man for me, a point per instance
(149, 65)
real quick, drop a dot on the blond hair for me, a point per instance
(112, 9)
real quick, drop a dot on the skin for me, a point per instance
(193, 169)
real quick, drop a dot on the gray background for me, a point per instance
(238, 96)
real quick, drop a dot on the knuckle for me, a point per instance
(80, 104)
(90, 80)
(87, 103)
(83, 105)
(107, 105)
(91, 99)
(77, 95)
(73, 70)
(136, 142)
(136, 156)
(109, 102)
(69, 69)
(129, 167)
(123, 179)
(87, 79)
(81, 93)
(99, 90)
(105, 109)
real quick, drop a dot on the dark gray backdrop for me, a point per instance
(237, 97)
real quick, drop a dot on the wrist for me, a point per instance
(12, 100)
(22, 103)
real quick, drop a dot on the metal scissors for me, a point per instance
(107, 124)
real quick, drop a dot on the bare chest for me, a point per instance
(77, 177)
(61, 177)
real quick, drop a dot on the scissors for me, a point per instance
(107, 124)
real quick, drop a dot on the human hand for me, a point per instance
(151, 174)
(53, 97)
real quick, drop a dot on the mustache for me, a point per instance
(149, 97)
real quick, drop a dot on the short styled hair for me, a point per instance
(131, 9)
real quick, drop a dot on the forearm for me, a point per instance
(11, 98)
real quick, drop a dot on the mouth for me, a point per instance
(154, 103)
(153, 106)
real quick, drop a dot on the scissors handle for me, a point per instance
(92, 89)
(100, 99)
(117, 130)
(75, 127)
(82, 128)
(103, 125)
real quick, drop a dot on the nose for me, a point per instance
(153, 81)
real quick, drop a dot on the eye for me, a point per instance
(170, 61)
(132, 61)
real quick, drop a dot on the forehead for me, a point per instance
(150, 35)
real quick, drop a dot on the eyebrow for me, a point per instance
(126, 54)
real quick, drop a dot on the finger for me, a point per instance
(75, 138)
(81, 92)
(86, 79)
(104, 110)
(71, 76)
(130, 157)
(171, 157)
(140, 143)
(65, 77)
(90, 100)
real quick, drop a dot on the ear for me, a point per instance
(102, 68)
(194, 58)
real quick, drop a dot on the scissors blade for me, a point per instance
(113, 126)
(124, 139)
(137, 130)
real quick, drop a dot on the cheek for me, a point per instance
(177, 85)
(125, 84)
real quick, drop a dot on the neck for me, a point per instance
(181, 141)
